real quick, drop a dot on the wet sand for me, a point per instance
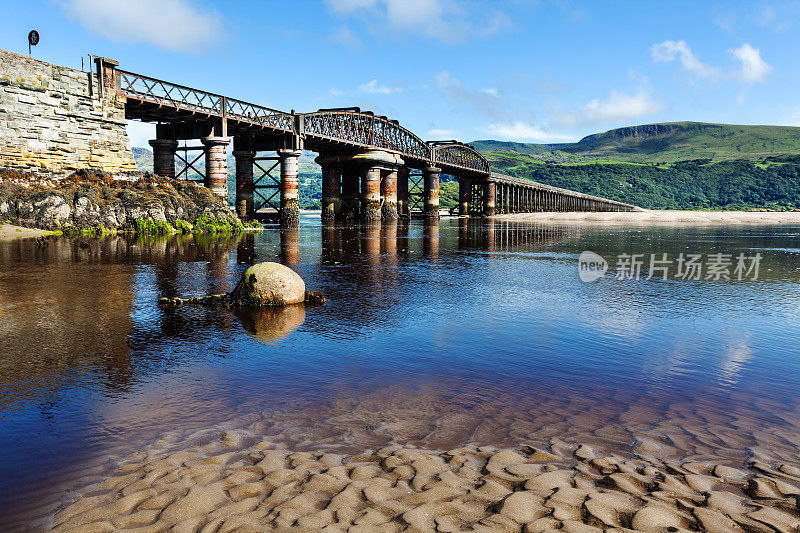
(687, 468)
(239, 483)
(661, 218)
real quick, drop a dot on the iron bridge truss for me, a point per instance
(161, 101)
(182, 172)
(267, 186)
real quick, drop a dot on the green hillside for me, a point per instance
(664, 143)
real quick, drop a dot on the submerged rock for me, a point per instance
(262, 285)
(269, 284)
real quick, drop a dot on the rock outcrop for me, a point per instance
(92, 199)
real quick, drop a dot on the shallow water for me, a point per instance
(435, 335)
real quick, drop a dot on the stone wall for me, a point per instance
(53, 120)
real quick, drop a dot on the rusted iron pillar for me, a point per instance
(371, 194)
(290, 190)
(403, 208)
(431, 192)
(164, 157)
(350, 186)
(244, 182)
(217, 165)
(489, 197)
(331, 192)
(389, 211)
(464, 196)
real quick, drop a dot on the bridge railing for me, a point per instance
(459, 155)
(177, 96)
(365, 130)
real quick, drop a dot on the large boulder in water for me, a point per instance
(268, 284)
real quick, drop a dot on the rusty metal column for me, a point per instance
(244, 183)
(489, 197)
(217, 165)
(331, 193)
(290, 190)
(464, 196)
(350, 186)
(371, 194)
(403, 208)
(164, 157)
(389, 193)
(431, 192)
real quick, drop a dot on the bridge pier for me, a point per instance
(431, 192)
(350, 185)
(489, 198)
(464, 196)
(371, 194)
(331, 195)
(164, 157)
(403, 209)
(290, 192)
(217, 165)
(244, 182)
(389, 211)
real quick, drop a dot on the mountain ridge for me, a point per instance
(663, 142)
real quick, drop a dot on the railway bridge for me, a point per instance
(372, 167)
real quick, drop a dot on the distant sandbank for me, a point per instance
(10, 232)
(664, 218)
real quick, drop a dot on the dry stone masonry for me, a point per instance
(53, 120)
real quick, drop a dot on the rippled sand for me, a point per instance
(238, 483)
(661, 218)
(579, 466)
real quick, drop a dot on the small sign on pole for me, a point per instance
(33, 40)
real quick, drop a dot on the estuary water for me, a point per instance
(434, 334)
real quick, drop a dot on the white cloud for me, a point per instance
(140, 133)
(521, 131)
(754, 69)
(374, 87)
(619, 107)
(442, 134)
(178, 25)
(492, 91)
(444, 20)
(672, 50)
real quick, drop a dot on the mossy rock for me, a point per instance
(269, 284)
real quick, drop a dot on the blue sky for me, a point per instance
(523, 70)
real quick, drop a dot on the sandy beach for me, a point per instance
(238, 482)
(660, 218)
